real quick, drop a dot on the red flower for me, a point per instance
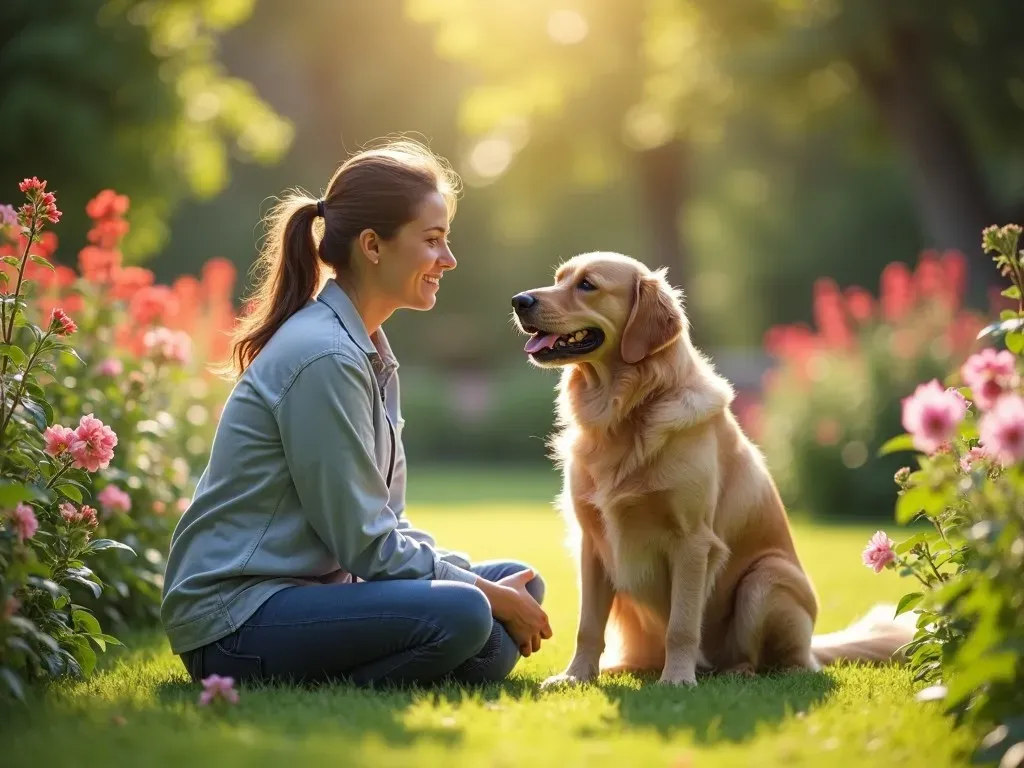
(151, 303)
(99, 265)
(32, 185)
(61, 324)
(107, 204)
(131, 280)
(828, 314)
(897, 291)
(107, 233)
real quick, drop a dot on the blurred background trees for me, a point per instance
(752, 146)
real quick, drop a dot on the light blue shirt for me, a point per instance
(305, 481)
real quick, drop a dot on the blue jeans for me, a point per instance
(397, 632)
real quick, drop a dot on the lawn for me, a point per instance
(140, 709)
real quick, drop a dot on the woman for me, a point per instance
(294, 560)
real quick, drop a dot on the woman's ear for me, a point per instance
(655, 320)
(369, 245)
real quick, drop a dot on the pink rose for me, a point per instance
(989, 374)
(168, 345)
(23, 521)
(932, 414)
(110, 367)
(58, 439)
(217, 687)
(93, 446)
(878, 552)
(1002, 430)
(114, 499)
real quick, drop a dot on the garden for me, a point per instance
(108, 410)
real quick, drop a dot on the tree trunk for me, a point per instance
(952, 197)
(663, 174)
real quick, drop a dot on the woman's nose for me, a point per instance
(448, 259)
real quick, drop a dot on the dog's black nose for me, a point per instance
(523, 301)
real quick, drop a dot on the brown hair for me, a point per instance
(378, 188)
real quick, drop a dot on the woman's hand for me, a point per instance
(516, 609)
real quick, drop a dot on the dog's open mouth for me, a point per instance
(544, 345)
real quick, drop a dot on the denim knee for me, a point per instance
(536, 587)
(467, 619)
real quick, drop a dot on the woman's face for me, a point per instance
(411, 264)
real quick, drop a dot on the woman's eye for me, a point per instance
(433, 241)
(586, 285)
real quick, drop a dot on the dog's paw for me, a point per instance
(686, 676)
(567, 679)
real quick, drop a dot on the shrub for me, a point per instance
(968, 562)
(137, 365)
(833, 398)
(47, 534)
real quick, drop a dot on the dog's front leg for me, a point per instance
(683, 633)
(596, 594)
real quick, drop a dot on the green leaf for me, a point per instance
(38, 414)
(99, 545)
(905, 546)
(13, 682)
(12, 493)
(899, 443)
(85, 656)
(997, 329)
(111, 640)
(916, 500)
(70, 491)
(991, 668)
(42, 262)
(69, 352)
(97, 590)
(14, 261)
(86, 622)
(907, 602)
(1015, 342)
(16, 353)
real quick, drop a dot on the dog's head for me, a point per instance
(602, 307)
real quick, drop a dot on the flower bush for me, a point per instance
(833, 397)
(102, 443)
(968, 559)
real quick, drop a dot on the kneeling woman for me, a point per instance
(294, 560)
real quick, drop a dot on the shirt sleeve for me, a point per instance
(326, 424)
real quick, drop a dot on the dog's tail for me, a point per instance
(875, 638)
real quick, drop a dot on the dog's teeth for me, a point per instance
(561, 343)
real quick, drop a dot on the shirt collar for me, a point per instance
(381, 357)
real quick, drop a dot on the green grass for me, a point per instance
(141, 710)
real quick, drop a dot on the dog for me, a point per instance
(684, 551)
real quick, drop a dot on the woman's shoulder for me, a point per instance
(312, 337)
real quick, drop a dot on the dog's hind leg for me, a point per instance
(773, 619)
(634, 640)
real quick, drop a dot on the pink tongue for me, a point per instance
(540, 341)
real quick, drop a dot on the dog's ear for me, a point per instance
(655, 320)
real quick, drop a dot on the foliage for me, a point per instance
(130, 93)
(46, 470)
(143, 345)
(969, 562)
(834, 396)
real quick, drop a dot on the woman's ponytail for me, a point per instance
(288, 274)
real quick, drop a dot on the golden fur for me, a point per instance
(685, 553)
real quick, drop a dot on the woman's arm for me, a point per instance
(326, 425)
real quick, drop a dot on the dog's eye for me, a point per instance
(586, 285)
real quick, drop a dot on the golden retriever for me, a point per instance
(685, 555)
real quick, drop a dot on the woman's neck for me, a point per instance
(372, 309)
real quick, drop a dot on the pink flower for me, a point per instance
(114, 499)
(58, 439)
(215, 687)
(172, 346)
(32, 185)
(93, 446)
(11, 606)
(110, 367)
(932, 414)
(182, 505)
(24, 522)
(878, 552)
(61, 324)
(159, 507)
(989, 373)
(8, 216)
(1002, 430)
(973, 458)
(74, 516)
